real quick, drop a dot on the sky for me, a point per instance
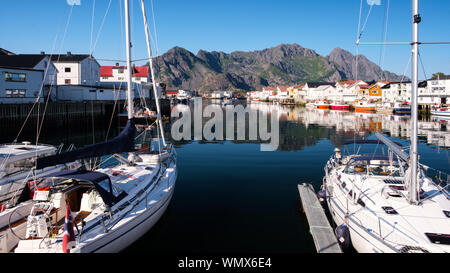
(53, 26)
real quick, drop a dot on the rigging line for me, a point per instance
(51, 85)
(365, 23)
(3, 163)
(101, 26)
(357, 40)
(154, 29)
(423, 67)
(122, 49)
(406, 68)
(92, 26)
(383, 48)
(116, 99)
(121, 61)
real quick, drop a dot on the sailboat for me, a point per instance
(386, 202)
(104, 209)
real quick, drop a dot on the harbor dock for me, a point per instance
(320, 228)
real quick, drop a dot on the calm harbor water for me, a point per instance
(232, 197)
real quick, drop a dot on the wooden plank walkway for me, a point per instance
(322, 233)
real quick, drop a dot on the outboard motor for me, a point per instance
(343, 236)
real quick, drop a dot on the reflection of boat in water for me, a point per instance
(384, 108)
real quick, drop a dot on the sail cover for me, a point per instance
(124, 142)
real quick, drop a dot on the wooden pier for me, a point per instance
(320, 228)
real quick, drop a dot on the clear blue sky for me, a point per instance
(30, 26)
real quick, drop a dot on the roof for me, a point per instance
(76, 58)
(445, 77)
(317, 84)
(5, 52)
(269, 88)
(172, 92)
(348, 83)
(283, 88)
(138, 71)
(20, 61)
(299, 86)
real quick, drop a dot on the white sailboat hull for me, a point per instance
(126, 235)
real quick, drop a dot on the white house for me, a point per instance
(119, 74)
(347, 91)
(318, 90)
(76, 69)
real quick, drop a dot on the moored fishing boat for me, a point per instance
(401, 108)
(443, 110)
(340, 106)
(322, 105)
(365, 107)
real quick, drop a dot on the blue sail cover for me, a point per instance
(122, 143)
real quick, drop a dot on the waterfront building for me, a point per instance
(76, 69)
(118, 74)
(282, 91)
(105, 91)
(299, 93)
(319, 90)
(437, 91)
(25, 77)
(347, 90)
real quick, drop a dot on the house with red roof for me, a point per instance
(348, 90)
(118, 73)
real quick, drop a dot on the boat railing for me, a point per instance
(439, 178)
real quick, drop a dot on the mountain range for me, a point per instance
(285, 64)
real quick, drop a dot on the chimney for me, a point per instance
(69, 53)
(42, 52)
(117, 64)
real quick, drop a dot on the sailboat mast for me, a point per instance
(150, 63)
(413, 187)
(129, 67)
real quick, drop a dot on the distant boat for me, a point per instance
(365, 107)
(322, 105)
(443, 110)
(340, 106)
(401, 108)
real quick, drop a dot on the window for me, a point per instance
(15, 93)
(92, 90)
(138, 78)
(105, 78)
(67, 69)
(15, 77)
(67, 81)
(121, 70)
(101, 90)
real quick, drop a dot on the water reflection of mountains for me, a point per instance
(301, 127)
